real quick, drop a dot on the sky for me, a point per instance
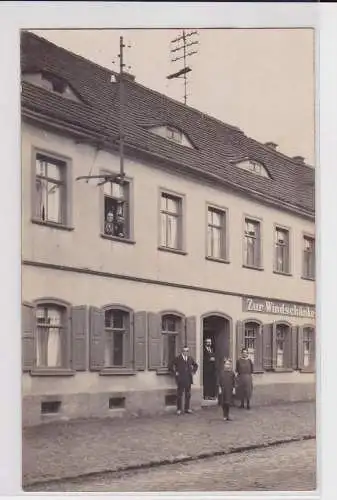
(260, 80)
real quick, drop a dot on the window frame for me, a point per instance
(311, 368)
(181, 221)
(180, 335)
(308, 236)
(280, 227)
(258, 351)
(224, 233)
(128, 344)
(130, 210)
(66, 198)
(259, 221)
(54, 371)
(288, 367)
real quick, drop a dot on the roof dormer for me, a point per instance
(172, 134)
(254, 167)
(52, 83)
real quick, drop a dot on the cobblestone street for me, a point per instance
(66, 450)
(289, 467)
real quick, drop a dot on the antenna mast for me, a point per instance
(182, 43)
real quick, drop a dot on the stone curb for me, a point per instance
(170, 461)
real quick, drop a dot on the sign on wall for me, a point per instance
(266, 306)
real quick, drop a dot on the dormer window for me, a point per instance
(172, 134)
(52, 83)
(254, 167)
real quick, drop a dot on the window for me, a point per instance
(254, 167)
(250, 339)
(309, 258)
(117, 328)
(252, 244)
(116, 210)
(50, 190)
(51, 344)
(173, 134)
(281, 339)
(171, 221)
(52, 83)
(216, 233)
(281, 250)
(171, 330)
(308, 346)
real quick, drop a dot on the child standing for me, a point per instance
(227, 382)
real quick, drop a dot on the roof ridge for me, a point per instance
(74, 54)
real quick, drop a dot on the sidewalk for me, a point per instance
(63, 450)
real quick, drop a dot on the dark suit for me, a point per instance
(184, 371)
(209, 373)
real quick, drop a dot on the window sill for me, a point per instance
(172, 250)
(54, 225)
(283, 370)
(307, 370)
(117, 371)
(52, 372)
(116, 238)
(282, 273)
(163, 371)
(254, 268)
(307, 278)
(258, 372)
(216, 259)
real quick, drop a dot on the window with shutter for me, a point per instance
(52, 337)
(172, 331)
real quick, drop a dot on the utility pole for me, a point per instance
(121, 106)
(182, 43)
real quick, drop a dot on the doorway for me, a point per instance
(217, 329)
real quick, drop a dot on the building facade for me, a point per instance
(211, 235)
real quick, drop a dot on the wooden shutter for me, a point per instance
(128, 341)
(258, 355)
(240, 338)
(273, 347)
(313, 351)
(155, 343)
(140, 327)
(267, 336)
(300, 348)
(96, 339)
(79, 335)
(191, 335)
(28, 337)
(294, 348)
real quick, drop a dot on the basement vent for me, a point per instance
(170, 400)
(116, 403)
(48, 407)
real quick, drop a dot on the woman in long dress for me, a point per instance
(244, 370)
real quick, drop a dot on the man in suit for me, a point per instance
(184, 367)
(209, 375)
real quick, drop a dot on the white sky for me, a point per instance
(261, 80)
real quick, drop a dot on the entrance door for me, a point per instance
(215, 328)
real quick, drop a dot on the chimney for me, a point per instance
(299, 159)
(126, 76)
(271, 145)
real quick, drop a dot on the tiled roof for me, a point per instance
(218, 145)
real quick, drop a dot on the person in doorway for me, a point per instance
(184, 368)
(209, 375)
(226, 382)
(244, 370)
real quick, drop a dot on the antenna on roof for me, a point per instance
(182, 43)
(116, 178)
